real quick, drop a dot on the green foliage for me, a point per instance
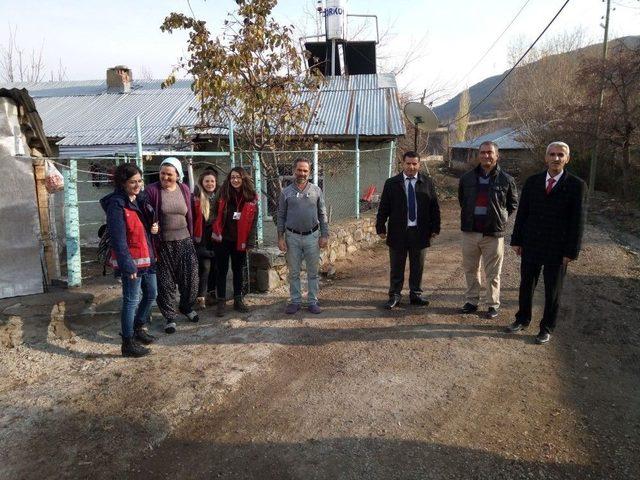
(251, 74)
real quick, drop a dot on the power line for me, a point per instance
(472, 109)
(464, 77)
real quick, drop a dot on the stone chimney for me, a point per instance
(119, 79)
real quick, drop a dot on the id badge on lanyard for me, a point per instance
(239, 204)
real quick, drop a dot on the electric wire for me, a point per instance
(466, 75)
(474, 107)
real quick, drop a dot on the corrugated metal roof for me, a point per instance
(505, 138)
(83, 113)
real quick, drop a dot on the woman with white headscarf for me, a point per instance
(177, 261)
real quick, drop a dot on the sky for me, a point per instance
(448, 36)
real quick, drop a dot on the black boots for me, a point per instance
(142, 336)
(220, 307)
(239, 305)
(131, 348)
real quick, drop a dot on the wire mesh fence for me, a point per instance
(78, 215)
(93, 180)
(352, 181)
(348, 190)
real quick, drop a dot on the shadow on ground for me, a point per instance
(345, 458)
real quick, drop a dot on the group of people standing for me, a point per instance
(547, 233)
(166, 241)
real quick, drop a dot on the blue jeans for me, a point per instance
(138, 295)
(299, 248)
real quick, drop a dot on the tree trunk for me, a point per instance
(626, 170)
(271, 185)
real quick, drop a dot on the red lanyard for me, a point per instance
(239, 201)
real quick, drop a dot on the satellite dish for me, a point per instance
(421, 116)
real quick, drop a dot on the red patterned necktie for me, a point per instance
(550, 183)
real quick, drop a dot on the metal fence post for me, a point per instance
(72, 225)
(258, 179)
(192, 181)
(316, 167)
(232, 149)
(392, 154)
(357, 192)
(138, 143)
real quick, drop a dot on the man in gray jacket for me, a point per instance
(302, 231)
(487, 197)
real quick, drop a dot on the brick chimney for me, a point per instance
(119, 79)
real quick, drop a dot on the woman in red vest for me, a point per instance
(131, 222)
(235, 215)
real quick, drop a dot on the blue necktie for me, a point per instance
(411, 193)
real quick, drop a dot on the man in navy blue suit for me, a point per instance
(408, 219)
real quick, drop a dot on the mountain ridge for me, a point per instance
(490, 107)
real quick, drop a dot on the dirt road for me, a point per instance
(356, 392)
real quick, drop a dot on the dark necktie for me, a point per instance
(411, 194)
(550, 183)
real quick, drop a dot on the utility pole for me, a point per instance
(594, 153)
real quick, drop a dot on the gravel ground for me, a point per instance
(356, 392)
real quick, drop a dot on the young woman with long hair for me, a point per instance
(235, 216)
(203, 213)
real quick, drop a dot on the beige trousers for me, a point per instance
(491, 249)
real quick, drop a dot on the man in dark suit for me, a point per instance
(547, 236)
(410, 205)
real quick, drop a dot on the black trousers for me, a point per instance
(207, 273)
(553, 281)
(177, 266)
(398, 260)
(225, 251)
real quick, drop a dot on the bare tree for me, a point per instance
(554, 94)
(145, 73)
(388, 56)
(18, 65)
(620, 120)
(535, 90)
(60, 74)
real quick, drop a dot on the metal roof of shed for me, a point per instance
(505, 138)
(84, 113)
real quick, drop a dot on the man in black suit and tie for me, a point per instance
(410, 204)
(547, 236)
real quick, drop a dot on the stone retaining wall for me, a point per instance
(268, 267)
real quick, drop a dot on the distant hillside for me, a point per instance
(489, 108)
(448, 110)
